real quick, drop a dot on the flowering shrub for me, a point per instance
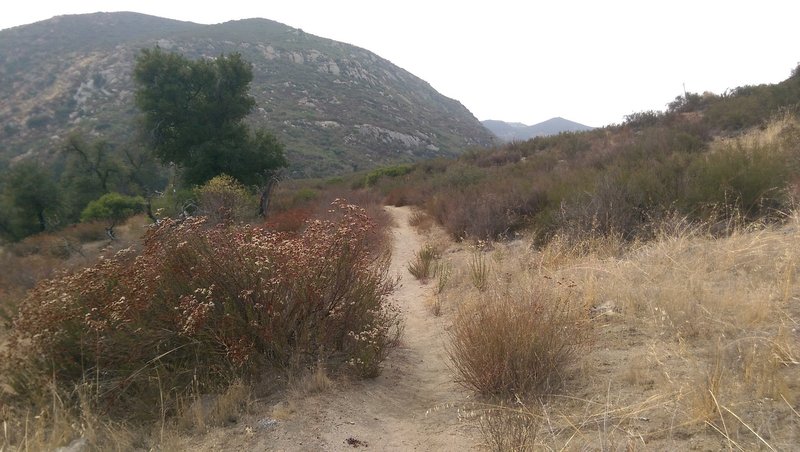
(224, 198)
(199, 305)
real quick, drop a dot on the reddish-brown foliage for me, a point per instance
(200, 304)
(288, 221)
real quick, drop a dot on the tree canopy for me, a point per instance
(194, 113)
(114, 208)
(29, 195)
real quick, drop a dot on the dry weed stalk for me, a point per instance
(478, 266)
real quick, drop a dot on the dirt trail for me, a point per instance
(412, 405)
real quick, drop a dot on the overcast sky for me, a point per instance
(527, 61)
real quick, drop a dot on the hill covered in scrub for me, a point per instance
(696, 160)
(336, 107)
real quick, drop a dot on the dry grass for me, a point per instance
(59, 425)
(694, 340)
(517, 334)
(315, 381)
(777, 132)
(421, 221)
(202, 411)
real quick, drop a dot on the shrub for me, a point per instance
(113, 208)
(304, 196)
(478, 267)
(519, 342)
(746, 179)
(223, 198)
(289, 220)
(201, 306)
(388, 171)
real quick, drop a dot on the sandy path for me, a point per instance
(412, 405)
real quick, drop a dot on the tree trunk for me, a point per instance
(263, 205)
(149, 209)
(266, 195)
(42, 221)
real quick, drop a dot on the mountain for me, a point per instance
(336, 107)
(516, 131)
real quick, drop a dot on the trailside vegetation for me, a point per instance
(198, 308)
(695, 160)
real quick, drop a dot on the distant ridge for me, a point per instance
(516, 131)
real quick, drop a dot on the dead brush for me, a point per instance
(507, 428)
(421, 221)
(519, 341)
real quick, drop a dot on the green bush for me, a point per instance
(389, 171)
(224, 199)
(747, 180)
(112, 208)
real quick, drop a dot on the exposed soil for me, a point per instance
(413, 405)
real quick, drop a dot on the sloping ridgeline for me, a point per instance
(336, 107)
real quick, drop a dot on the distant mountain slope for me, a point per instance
(515, 131)
(336, 107)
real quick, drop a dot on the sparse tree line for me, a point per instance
(192, 129)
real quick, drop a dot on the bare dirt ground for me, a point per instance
(413, 405)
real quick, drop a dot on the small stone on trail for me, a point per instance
(266, 423)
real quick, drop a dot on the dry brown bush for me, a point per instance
(517, 341)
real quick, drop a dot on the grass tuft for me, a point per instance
(423, 265)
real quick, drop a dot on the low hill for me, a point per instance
(337, 107)
(516, 131)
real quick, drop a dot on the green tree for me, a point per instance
(91, 170)
(194, 115)
(113, 208)
(29, 196)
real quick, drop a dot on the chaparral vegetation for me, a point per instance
(632, 287)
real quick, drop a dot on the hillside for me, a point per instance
(623, 179)
(515, 131)
(337, 107)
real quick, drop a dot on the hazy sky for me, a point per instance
(527, 61)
